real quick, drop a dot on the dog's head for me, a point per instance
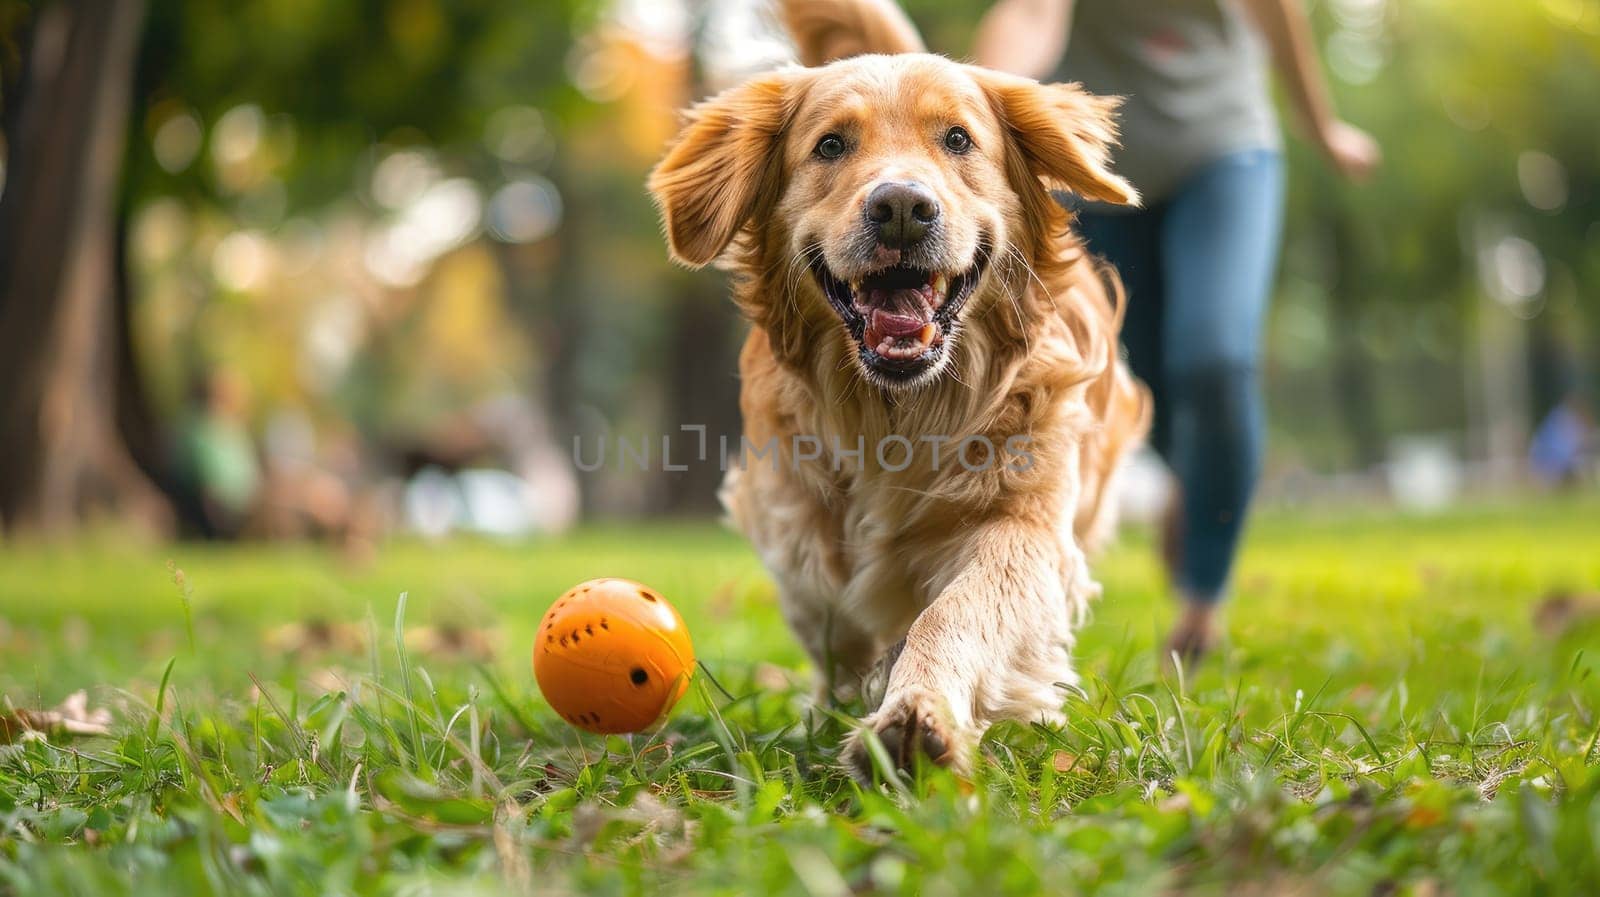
(883, 188)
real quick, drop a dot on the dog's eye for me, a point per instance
(831, 146)
(957, 140)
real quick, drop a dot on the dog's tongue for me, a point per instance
(888, 323)
(899, 335)
(899, 319)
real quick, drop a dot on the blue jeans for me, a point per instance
(1198, 267)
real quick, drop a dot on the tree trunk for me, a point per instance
(61, 454)
(703, 373)
(567, 324)
(703, 354)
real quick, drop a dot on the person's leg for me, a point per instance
(1220, 241)
(1131, 242)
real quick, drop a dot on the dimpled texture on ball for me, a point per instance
(612, 656)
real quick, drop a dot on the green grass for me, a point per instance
(1386, 719)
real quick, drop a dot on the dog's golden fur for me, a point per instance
(978, 569)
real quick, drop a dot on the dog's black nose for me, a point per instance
(902, 213)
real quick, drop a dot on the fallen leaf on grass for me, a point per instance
(1175, 803)
(771, 677)
(311, 637)
(72, 717)
(1423, 817)
(1559, 612)
(317, 636)
(1428, 887)
(451, 641)
(1067, 761)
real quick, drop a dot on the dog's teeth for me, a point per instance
(926, 335)
(941, 287)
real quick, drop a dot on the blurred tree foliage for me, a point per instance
(350, 75)
(340, 86)
(337, 85)
(1485, 111)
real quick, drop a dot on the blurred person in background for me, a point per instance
(1201, 141)
(1559, 453)
(221, 467)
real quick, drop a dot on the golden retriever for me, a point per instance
(932, 398)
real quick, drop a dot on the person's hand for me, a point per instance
(1351, 151)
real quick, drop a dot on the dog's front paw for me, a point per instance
(913, 726)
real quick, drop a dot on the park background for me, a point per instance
(280, 269)
(303, 302)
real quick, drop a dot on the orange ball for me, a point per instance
(612, 656)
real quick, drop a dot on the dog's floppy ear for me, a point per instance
(825, 30)
(723, 165)
(1063, 133)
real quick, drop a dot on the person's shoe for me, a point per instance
(1193, 635)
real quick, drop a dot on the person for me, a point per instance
(222, 470)
(1201, 142)
(1558, 453)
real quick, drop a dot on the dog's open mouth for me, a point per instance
(901, 316)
